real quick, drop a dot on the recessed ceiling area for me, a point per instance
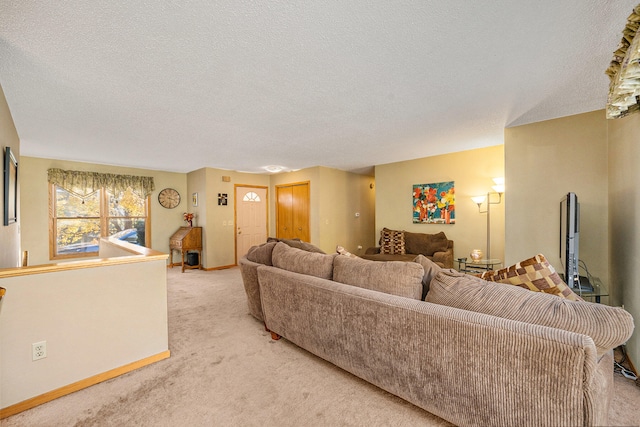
(241, 85)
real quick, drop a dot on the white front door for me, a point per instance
(251, 218)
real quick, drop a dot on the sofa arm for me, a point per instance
(249, 272)
(445, 259)
(372, 251)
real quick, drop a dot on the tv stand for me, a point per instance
(589, 290)
(585, 285)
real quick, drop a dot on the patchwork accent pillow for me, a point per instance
(342, 251)
(392, 242)
(535, 274)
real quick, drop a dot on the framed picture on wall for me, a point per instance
(10, 187)
(194, 199)
(434, 203)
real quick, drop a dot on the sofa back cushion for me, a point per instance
(297, 243)
(261, 253)
(607, 326)
(425, 244)
(430, 271)
(393, 277)
(302, 261)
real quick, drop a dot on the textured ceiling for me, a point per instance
(239, 84)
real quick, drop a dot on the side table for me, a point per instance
(478, 266)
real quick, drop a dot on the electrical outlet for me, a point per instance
(39, 350)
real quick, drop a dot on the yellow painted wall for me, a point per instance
(219, 220)
(472, 171)
(545, 161)
(9, 235)
(624, 219)
(346, 210)
(34, 195)
(93, 319)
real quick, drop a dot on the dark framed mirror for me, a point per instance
(10, 187)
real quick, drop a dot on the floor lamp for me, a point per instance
(498, 189)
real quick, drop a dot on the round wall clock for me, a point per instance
(169, 198)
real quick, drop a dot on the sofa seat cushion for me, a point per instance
(535, 274)
(607, 326)
(302, 261)
(394, 277)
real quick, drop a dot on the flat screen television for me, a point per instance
(570, 238)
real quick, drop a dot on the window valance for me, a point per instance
(624, 71)
(83, 184)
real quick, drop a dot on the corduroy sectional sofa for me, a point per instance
(474, 353)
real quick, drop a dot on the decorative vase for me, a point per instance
(476, 255)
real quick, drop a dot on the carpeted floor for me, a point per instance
(225, 370)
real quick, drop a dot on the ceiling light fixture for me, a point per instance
(274, 168)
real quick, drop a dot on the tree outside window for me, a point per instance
(79, 220)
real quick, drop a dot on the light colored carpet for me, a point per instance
(225, 370)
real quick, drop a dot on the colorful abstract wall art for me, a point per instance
(434, 203)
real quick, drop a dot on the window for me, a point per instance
(251, 197)
(85, 206)
(78, 222)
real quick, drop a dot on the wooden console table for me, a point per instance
(184, 240)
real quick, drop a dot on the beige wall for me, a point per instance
(9, 235)
(336, 196)
(342, 196)
(472, 171)
(93, 320)
(624, 219)
(219, 220)
(545, 161)
(34, 197)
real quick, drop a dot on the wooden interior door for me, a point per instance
(251, 218)
(300, 200)
(284, 215)
(292, 211)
